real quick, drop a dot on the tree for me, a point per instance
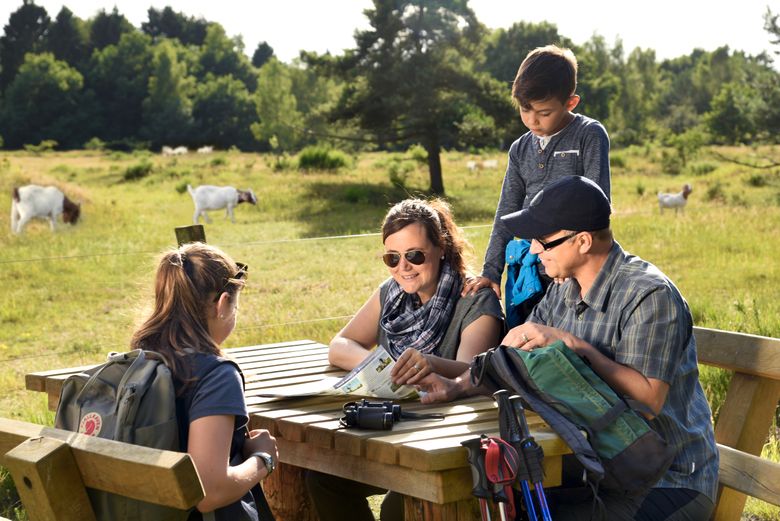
(67, 39)
(172, 24)
(25, 32)
(221, 56)
(119, 76)
(772, 27)
(277, 109)
(732, 117)
(167, 111)
(411, 78)
(107, 28)
(223, 111)
(45, 101)
(262, 54)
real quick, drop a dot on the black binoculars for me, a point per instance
(371, 415)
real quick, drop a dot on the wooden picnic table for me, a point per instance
(421, 459)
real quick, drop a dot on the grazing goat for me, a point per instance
(205, 150)
(209, 197)
(473, 166)
(676, 201)
(47, 202)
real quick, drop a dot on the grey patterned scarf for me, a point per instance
(409, 325)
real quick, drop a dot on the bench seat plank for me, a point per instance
(156, 476)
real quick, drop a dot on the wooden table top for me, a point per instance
(420, 458)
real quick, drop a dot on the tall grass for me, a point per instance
(72, 296)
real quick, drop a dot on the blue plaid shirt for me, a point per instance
(635, 315)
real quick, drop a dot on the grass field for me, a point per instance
(70, 297)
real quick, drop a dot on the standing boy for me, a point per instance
(558, 143)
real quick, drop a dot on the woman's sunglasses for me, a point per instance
(240, 274)
(415, 257)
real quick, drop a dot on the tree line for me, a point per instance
(425, 72)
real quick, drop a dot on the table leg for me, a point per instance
(285, 491)
(420, 510)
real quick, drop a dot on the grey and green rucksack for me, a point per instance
(618, 448)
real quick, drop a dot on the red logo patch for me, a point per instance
(91, 424)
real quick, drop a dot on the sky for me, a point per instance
(671, 27)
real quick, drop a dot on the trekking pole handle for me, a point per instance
(519, 411)
(476, 459)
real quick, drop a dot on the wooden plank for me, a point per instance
(287, 496)
(438, 487)
(162, 477)
(48, 481)
(37, 381)
(446, 453)
(352, 441)
(743, 424)
(752, 475)
(749, 354)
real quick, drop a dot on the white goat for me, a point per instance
(47, 202)
(205, 150)
(209, 197)
(471, 165)
(676, 201)
(490, 163)
(180, 151)
(167, 151)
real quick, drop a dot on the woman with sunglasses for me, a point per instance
(196, 301)
(420, 317)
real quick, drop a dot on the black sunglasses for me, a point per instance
(416, 257)
(240, 274)
(547, 246)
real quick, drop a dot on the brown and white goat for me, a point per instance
(209, 197)
(46, 202)
(676, 201)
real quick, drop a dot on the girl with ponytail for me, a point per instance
(196, 299)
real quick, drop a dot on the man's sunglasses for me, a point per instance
(240, 274)
(415, 257)
(547, 246)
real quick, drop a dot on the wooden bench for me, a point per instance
(745, 416)
(51, 468)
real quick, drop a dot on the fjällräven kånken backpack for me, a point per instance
(130, 398)
(620, 451)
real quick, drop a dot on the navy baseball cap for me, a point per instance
(572, 203)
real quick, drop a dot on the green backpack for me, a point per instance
(129, 398)
(619, 449)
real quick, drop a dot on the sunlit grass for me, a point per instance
(70, 297)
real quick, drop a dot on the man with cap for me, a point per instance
(629, 321)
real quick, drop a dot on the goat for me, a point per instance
(676, 201)
(490, 163)
(167, 151)
(471, 165)
(205, 150)
(209, 197)
(47, 202)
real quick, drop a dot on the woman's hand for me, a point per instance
(530, 335)
(472, 285)
(260, 440)
(411, 367)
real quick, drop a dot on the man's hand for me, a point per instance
(530, 335)
(473, 285)
(436, 388)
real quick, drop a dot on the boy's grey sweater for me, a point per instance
(582, 148)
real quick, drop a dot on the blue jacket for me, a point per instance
(522, 278)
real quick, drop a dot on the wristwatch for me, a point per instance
(268, 460)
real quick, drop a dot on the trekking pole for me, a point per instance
(476, 460)
(510, 431)
(533, 455)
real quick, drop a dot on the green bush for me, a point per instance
(417, 153)
(218, 161)
(137, 171)
(95, 144)
(617, 161)
(181, 186)
(757, 180)
(715, 192)
(702, 168)
(671, 163)
(47, 145)
(321, 158)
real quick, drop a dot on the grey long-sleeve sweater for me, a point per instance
(582, 148)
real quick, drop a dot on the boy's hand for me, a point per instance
(475, 284)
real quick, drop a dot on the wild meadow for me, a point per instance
(311, 243)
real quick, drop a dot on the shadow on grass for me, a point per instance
(347, 208)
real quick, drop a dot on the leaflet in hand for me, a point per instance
(371, 378)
